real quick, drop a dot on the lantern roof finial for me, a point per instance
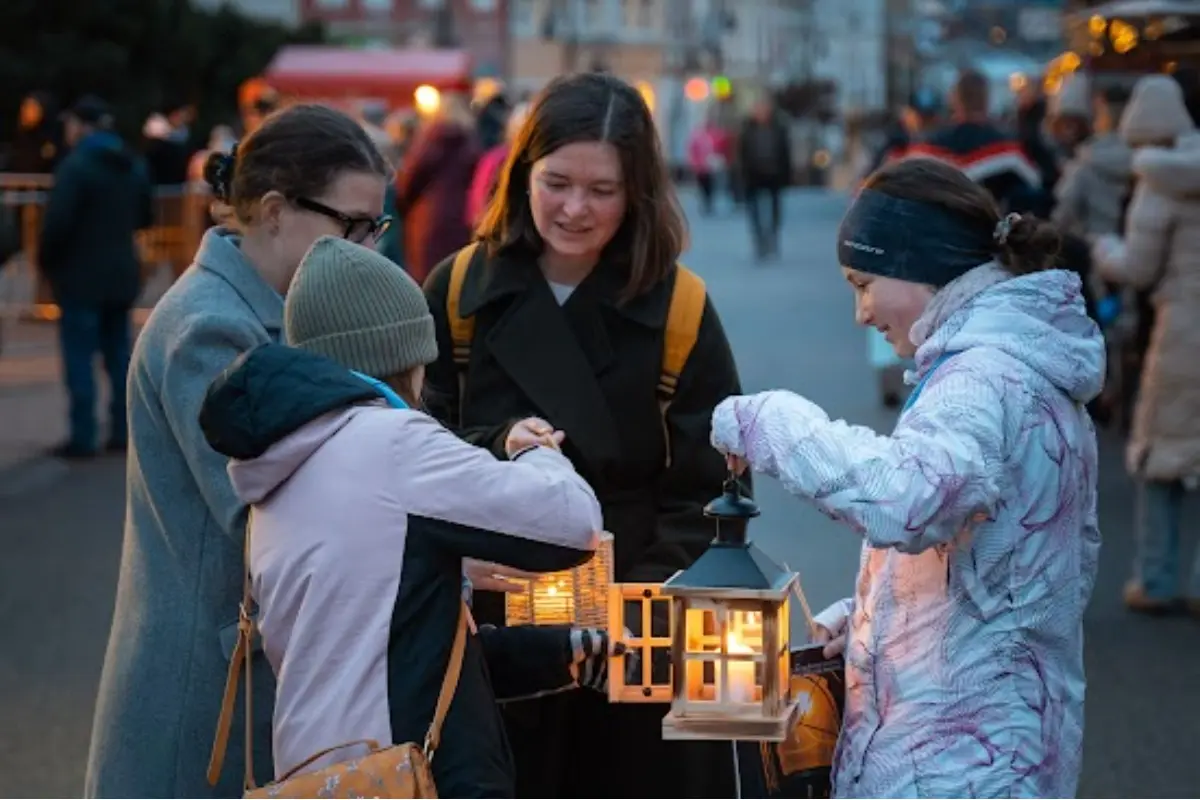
(732, 565)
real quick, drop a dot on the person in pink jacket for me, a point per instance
(487, 171)
(364, 510)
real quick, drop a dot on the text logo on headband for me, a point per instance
(866, 248)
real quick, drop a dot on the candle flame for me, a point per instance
(735, 645)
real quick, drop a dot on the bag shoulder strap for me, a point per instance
(240, 660)
(683, 328)
(449, 683)
(237, 662)
(462, 329)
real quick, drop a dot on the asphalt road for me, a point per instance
(791, 325)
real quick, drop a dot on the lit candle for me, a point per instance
(741, 673)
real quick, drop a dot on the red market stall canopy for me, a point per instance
(390, 75)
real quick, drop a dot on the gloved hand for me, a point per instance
(832, 627)
(590, 651)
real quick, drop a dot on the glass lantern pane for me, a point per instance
(745, 631)
(701, 631)
(700, 690)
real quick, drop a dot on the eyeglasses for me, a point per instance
(358, 228)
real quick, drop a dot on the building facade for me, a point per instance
(478, 26)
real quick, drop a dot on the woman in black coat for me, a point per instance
(569, 291)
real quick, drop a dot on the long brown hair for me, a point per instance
(594, 107)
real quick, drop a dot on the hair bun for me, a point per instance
(1026, 244)
(218, 173)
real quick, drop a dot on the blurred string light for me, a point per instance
(1059, 69)
(699, 89)
(1124, 37)
(427, 99)
(696, 89)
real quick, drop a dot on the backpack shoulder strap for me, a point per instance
(683, 328)
(462, 329)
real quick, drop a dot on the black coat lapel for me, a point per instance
(534, 343)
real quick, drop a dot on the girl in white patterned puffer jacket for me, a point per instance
(963, 641)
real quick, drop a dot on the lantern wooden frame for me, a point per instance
(709, 711)
(577, 596)
(640, 647)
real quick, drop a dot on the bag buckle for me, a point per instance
(245, 621)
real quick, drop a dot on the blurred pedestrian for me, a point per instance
(706, 157)
(1160, 254)
(431, 190)
(487, 171)
(989, 155)
(37, 146)
(765, 161)
(101, 198)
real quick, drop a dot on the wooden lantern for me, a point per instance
(576, 596)
(730, 639)
(640, 617)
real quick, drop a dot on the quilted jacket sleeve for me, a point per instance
(912, 490)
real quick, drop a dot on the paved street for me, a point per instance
(791, 325)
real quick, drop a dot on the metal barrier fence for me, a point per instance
(180, 219)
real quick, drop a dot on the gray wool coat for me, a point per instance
(181, 564)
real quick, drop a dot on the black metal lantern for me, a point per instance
(730, 635)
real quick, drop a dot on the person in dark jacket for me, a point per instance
(37, 146)
(990, 156)
(765, 164)
(569, 290)
(364, 509)
(431, 190)
(101, 198)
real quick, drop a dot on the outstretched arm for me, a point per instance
(912, 490)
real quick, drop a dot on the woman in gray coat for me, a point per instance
(309, 171)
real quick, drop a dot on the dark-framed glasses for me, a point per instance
(358, 228)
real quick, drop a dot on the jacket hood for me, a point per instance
(272, 409)
(1038, 319)
(1174, 172)
(107, 149)
(1110, 157)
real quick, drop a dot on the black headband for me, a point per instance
(911, 240)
